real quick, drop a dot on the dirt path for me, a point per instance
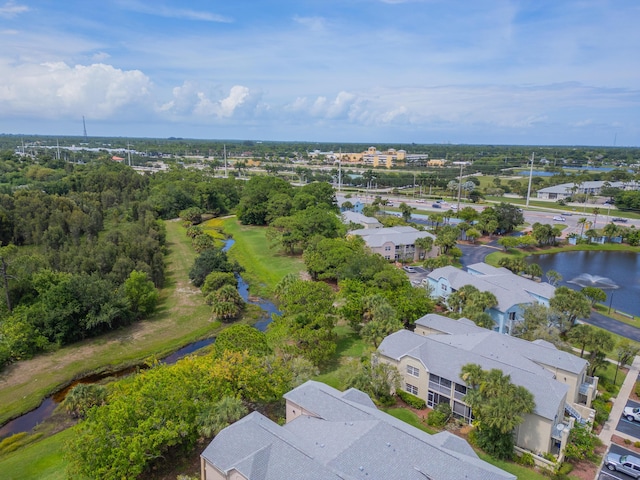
(182, 317)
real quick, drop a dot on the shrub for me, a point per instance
(603, 409)
(565, 468)
(636, 444)
(526, 459)
(439, 416)
(627, 441)
(411, 400)
(638, 388)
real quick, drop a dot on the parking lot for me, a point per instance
(607, 474)
(631, 428)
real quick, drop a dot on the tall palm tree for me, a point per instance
(582, 221)
(596, 211)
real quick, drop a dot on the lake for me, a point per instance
(615, 272)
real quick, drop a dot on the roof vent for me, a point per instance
(361, 468)
(388, 444)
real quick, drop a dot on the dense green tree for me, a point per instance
(594, 294)
(241, 338)
(324, 257)
(508, 216)
(209, 261)
(571, 304)
(216, 280)
(253, 207)
(141, 294)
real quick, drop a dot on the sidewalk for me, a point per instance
(620, 402)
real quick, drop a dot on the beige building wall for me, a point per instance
(293, 411)
(534, 434)
(208, 472)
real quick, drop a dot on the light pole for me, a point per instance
(533, 156)
(462, 164)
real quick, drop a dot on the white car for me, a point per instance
(632, 414)
(558, 218)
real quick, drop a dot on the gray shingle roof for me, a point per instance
(445, 354)
(397, 235)
(370, 445)
(508, 288)
(359, 218)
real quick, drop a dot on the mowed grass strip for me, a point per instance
(42, 460)
(182, 318)
(264, 265)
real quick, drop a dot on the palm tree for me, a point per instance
(582, 221)
(596, 211)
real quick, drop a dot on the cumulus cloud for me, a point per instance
(11, 9)
(191, 99)
(56, 89)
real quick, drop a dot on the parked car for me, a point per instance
(632, 414)
(626, 464)
(618, 219)
(409, 269)
(558, 218)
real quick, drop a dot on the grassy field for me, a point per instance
(182, 318)
(42, 460)
(264, 266)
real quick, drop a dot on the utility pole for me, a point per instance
(533, 155)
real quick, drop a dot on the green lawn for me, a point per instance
(42, 460)
(264, 266)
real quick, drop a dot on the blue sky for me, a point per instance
(561, 72)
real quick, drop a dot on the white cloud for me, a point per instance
(177, 13)
(190, 99)
(315, 24)
(11, 9)
(53, 90)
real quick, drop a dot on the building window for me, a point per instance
(387, 248)
(411, 389)
(444, 287)
(512, 315)
(413, 371)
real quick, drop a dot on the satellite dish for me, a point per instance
(560, 427)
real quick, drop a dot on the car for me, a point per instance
(632, 414)
(436, 205)
(623, 463)
(409, 269)
(558, 218)
(454, 207)
(420, 201)
(618, 219)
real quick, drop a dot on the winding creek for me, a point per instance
(29, 420)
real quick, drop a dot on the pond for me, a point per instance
(614, 272)
(26, 422)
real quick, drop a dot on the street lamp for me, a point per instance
(462, 164)
(533, 156)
